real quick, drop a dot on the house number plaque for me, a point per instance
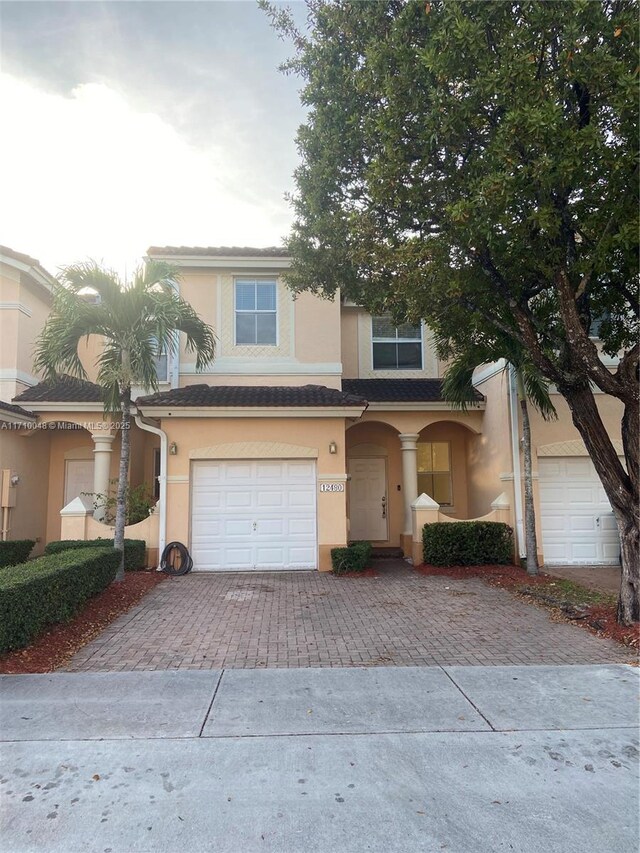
(332, 487)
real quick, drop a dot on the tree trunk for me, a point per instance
(529, 508)
(123, 477)
(619, 488)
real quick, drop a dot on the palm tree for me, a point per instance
(458, 389)
(137, 321)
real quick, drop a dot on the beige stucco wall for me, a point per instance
(316, 433)
(349, 343)
(24, 307)
(27, 455)
(308, 334)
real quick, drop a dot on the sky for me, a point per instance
(130, 124)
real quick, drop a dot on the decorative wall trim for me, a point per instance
(573, 448)
(366, 451)
(178, 478)
(242, 366)
(16, 306)
(333, 478)
(9, 374)
(254, 450)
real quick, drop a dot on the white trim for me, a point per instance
(14, 418)
(333, 478)
(16, 306)
(239, 279)
(507, 477)
(241, 365)
(228, 262)
(489, 371)
(251, 412)
(396, 340)
(41, 276)
(178, 478)
(8, 374)
(162, 479)
(515, 459)
(420, 407)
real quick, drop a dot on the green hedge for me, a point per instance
(134, 550)
(467, 543)
(354, 558)
(50, 589)
(15, 551)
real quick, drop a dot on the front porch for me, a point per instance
(393, 457)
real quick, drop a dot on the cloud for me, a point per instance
(91, 174)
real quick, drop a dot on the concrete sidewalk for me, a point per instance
(330, 760)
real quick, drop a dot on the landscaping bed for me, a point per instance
(567, 601)
(56, 646)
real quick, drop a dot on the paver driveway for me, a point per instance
(302, 619)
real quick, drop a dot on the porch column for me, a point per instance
(409, 441)
(101, 468)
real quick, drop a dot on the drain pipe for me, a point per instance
(515, 452)
(147, 427)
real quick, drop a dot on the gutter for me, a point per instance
(515, 453)
(162, 532)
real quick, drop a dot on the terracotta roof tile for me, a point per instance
(65, 389)
(398, 390)
(280, 396)
(14, 410)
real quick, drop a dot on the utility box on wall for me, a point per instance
(8, 493)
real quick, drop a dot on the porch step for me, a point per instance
(387, 554)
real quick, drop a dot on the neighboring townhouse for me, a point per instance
(315, 425)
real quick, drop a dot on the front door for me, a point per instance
(368, 499)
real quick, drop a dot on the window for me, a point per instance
(396, 347)
(256, 313)
(162, 364)
(434, 471)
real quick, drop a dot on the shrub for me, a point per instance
(16, 551)
(135, 550)
(354, 558)
(50, 589)
(467, 543)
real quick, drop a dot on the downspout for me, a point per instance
(147, 427)
(515, 453)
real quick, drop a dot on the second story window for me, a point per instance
(395, 347)
(162, 365)
(256, 313)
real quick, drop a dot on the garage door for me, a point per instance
(253, 515)
(578, 526)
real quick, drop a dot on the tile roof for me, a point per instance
(251, 395)
(398, 390)
(221, 251)
(14, 410)
(64, 389)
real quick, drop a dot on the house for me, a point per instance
(315, 425)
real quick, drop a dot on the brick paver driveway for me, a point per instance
(299, 619)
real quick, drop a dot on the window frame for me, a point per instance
(164, 353)
(379, 340)
(256, 281)
(450, 471)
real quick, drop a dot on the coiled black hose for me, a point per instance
(176, 559)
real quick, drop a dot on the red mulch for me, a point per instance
(600, 619)
(56, 647)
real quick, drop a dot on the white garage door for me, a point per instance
(253, 514)
(578, 526)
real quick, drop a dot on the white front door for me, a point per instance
(254, 514)
(368, 499)
(578, 526)
(78, 478)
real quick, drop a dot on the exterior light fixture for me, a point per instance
(333, 447)
(173, 449)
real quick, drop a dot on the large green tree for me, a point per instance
(137, 322)
(475, 164)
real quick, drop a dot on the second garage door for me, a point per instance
(578, 526)
(253, 515)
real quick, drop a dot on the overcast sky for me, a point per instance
(130, 124)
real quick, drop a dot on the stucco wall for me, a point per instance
(27, 455)
(316, 433)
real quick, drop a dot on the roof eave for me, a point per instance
(347, 411)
